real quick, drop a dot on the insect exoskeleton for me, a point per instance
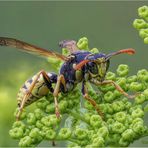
(40, 89)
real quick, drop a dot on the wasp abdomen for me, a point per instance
(40, 89)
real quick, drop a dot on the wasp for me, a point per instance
(79, 66)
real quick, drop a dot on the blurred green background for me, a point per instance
(107, 25)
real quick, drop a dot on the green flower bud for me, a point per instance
(103, 132)
(120, 117)
(143, 75)
(109, 108)
(133, 78)
(140, 99)
(143, 11)
(128, 135)
(50, 108)
(128, 105)
(42, 103)
(143, 33)
(35, 132)
(22, 115)
(38, 113)
(95, 121)
(138, 128)
(50, 120)
(146, 42)
(39, 124)
(64, 133)
(122, 70)
(65, 52)
(19, 124)
(50, 134)
(83, 43)
(94, 50)
(63, 106)
(16, 133)
(118, 127)
(107, 87)
(123, 142)
(137, 113)
(25, 142)
(136, 86)
(98, 142)
(140, 24)
(31, 119)
(109, 96)
(118, 106)
(137, 120)
(110, 121)
(145, 93)
(81, 133)
(110, 76)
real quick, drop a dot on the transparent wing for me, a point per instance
(70, 45)
(26, 47)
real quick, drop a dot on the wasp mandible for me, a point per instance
(79, 66)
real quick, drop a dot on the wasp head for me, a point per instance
(97, 66)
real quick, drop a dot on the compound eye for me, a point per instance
(93, 68)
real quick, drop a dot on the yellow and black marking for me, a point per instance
(40, 90)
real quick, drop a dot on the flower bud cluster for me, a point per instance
(141, 24)
(79, 124)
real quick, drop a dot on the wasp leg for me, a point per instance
(60, 80)
(88, 98)
(96, 82)
(28, 92)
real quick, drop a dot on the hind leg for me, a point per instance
(60, 80)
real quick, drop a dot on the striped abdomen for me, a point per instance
(40, 89)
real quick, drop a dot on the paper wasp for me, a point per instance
(79, 66)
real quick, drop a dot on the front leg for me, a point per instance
(88, 98)
(96, 82)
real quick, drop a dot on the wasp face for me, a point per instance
(98, 68)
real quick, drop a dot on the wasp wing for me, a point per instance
(30, 48)
(70, 45)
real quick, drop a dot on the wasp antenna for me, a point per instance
(81, 64)
(127, 51)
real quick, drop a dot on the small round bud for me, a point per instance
(31, 119)
(80, 133)
(143, 75)
(136, 86)
(25, 142)
(16, 133)
(110, 76)
(95, 121)
(98, 142)
(120, 117)
(109, 96)
(83, 43)
(128, 135)
(140, 99)
(50, 134)
(137, 113)
(122, 70)
(139, 24)
(143, 11)
(64, 133)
